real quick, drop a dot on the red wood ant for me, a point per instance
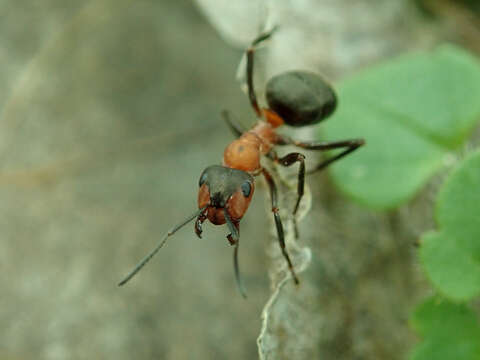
(295, 98)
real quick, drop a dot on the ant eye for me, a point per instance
(203, 178)
(246, 189)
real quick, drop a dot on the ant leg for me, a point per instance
(251, 91)
(350, 145)
(236, 128)
(288, 160)
(278, 222)
(198, 223)
(250, 52)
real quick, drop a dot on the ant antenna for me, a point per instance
(147, 258)
(235, 236)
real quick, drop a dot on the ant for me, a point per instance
(295, 98)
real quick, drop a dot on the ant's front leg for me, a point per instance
(198, 223)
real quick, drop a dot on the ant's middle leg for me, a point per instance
(278, 222)
(236, 128)
(291, 159)
(288, 160)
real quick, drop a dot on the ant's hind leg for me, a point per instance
(250, 54)
(349, 146)
(278, 222)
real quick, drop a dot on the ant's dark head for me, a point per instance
(301, 98)
(223, 188)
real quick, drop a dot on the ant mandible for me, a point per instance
(295, 98)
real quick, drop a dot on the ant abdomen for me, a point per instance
(301, 98)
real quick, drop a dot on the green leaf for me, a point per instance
(451, 268)
(451, 256)
(412, 112)
(449, 331)
(458, 206)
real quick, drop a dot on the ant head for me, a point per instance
(300, 98)
(225, 189)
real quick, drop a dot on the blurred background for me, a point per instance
(110, 110)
